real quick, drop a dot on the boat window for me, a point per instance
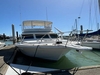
(53, 35)
(42, 35)
(28, 36)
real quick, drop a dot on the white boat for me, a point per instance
(91, 42)
(42, 42)
(2, 44)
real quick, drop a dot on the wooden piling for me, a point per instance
(17, 36)
(4, 37)
(13, 33)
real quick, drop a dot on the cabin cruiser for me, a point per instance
(39, 41)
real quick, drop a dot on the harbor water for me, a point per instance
(70, 60)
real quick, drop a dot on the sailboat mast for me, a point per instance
(76, 24)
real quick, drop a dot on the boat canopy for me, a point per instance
(36, 23)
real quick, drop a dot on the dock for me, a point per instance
(7, 55)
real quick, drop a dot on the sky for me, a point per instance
(61, 12)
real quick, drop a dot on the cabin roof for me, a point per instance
(36, 23)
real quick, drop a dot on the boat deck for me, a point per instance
(10, 54)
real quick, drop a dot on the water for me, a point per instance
(63, 63)
(7, 42)
(70, 60)
(86, 58)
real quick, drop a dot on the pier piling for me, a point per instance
(17, 39)
(13, 33)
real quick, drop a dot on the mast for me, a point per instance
(76, 24)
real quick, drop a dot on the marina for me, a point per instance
(40, 51)
(51, 43)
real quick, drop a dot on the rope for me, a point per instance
(2, 65)
(95, 53)
(32, 61)
(14, 69)
(95, 8)
(81, 7)
(90, 13)
(29, 66)
(36, 50)
(8, 62)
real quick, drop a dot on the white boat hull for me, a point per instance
(48, 52)
(95, 45)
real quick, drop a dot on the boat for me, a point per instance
(11, 39)
(92, 39)
(38, 40)
(92, 42)
(2, 45)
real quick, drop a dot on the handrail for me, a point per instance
(69, 37)
(41, 38)
(22, 39)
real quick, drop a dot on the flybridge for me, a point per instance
(36, 25)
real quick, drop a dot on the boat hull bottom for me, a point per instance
(48, 53)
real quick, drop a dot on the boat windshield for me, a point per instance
(38, 36)
(29, 36)
(53, 35)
